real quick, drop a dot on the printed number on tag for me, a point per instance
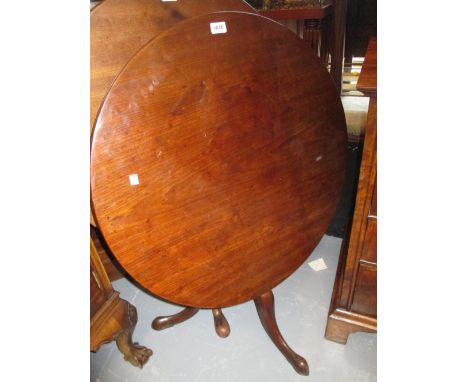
(218, 27)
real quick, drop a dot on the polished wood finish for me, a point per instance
(354, 301)
(313, 24)
(240, 151)
(222, 327)
(332, 16)
(99, 274)
(113, 270)
(367, 82)
(265, 305)
(299, 13)
(166, 322)
(119, 28)
(112, 319)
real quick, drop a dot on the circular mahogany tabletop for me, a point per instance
(217, 160)
(119, 28)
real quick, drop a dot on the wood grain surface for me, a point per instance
(239, 143)
(119, 28)
(367, 82)
(354, 302)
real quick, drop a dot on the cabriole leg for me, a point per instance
(265, 305)
(165, 322)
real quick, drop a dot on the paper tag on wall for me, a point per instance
(318, 265)
(217, 28)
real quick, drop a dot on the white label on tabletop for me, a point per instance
(167, 0)
(217, 28)
(133, 179)
(318, 265)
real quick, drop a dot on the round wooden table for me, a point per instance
(119, 28)
(217, 161)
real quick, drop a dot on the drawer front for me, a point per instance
(365, 292)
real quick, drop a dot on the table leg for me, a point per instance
(165, 322)
(134, 353)
(265, 305)
(116, 322)
(221, 324)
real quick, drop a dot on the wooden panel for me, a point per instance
(99, 271)
(367, 82)
(367, 178)
(354, 302)
(337, 43)
(240, 151)
(365, 292)
(369, 246)
(113, 269)
(373, 209)
(98, 296)
(297, 13)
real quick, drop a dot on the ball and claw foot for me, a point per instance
(137, 355)
(134, 353)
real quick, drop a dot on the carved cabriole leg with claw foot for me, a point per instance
(116, 321)
(265, 305)
(134, 353)
(165, 322)
(221, 325)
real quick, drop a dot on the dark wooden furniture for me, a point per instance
(118, 29)
(313, 24)
(112, 319)
(361, 25)
(338, 41)
(322, 26)
(354, 302)
(325, 22)
(113, 269)
(217, 162)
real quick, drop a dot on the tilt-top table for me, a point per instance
(217, 162)
(119, 28)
